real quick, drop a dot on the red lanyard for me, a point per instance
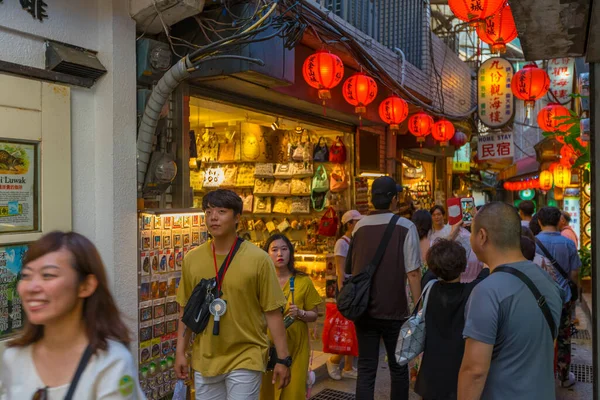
(220, 281)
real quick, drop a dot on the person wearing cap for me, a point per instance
(388, 305)
(349, 220)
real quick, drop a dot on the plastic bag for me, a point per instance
(180, 392)
(339, 334)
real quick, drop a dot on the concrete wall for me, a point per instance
(103, 126)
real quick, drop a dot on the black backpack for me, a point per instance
(353, 299)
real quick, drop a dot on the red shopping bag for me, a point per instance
(339, 334)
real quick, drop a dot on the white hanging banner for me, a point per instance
(495, 99)
(499, 145)
(561, 72)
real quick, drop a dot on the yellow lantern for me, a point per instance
(546, 180)
(562, 176)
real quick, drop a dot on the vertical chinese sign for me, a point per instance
(11, 315)
(561, 72)
(495, 146)
(494, 97)
(17, 187)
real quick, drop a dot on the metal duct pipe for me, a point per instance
(170, 80)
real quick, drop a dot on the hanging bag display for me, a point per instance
(321, 153)
(247, 201)
(301, 187)
(245, 176)
(339, 179)
(262, 205)
(300, 205)
(264, 170)
(298, 153)
(302, 170)
(320, 182)
(229, 176)
(353, 299)
(213, 177)
(282, 187)
(283, 171)
(263, 186)
(283, 205)
(229, 151)
(337, 151)
(329, 223)
(318, 200)
(411, 341)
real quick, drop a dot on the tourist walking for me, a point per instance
(74, 345)
(509, 332)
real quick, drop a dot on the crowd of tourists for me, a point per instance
(496, 295)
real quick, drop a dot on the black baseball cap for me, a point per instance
(385, 186)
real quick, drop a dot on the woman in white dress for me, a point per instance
(74, 344)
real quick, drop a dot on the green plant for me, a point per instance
(586, 263)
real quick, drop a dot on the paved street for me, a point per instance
(582, 355)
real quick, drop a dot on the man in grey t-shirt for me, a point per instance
(509, 348)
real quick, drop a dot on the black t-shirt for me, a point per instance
(444, 343)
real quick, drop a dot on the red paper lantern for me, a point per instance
(420, 125)
(474, 11)
(443, 131)
(530, 84)
(546, 180)
(323, 71)
(393, 111)
(552, 167)
(498, 30)
(506, 185)
(459, 140)
(360, 90)
(547, 119)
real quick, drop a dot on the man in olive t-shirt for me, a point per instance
(509, 347)
(230, 365)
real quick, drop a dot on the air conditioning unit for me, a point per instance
(171, 12)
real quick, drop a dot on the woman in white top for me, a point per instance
(342, 246)
(70, 313)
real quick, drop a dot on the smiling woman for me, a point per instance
(72, 321)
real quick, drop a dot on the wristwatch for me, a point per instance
(286, 361)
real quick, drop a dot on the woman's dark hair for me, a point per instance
(534, 225)
(447, 259)
(100, 313)
(525, 231)
(343, 229)
(279, 236)
(528, 248)
(223, 198)
(423, 222)
(437, 207)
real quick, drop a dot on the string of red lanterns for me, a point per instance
(475, 11)
(530, 84)
(393, 111)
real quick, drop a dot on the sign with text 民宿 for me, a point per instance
(495, 99)
(500, 145)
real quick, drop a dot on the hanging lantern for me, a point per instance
(393, 111)
(475, 11)
(323, 71)
(360, 90)
(562, 176)
(506, 185)
(498, 30)
(420, 125)
(552, 167)
(443, 131)
(536, 184)
(547, 121)
(568, 155)
(459, 140)
(530, 84)
(546, 180)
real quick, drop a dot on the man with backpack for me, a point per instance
(563, 256)
(387, 303)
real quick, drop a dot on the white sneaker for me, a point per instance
(352, 374)
(567, 383)
(333, 370)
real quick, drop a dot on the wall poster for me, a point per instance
(18, 208)
(11, 314)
